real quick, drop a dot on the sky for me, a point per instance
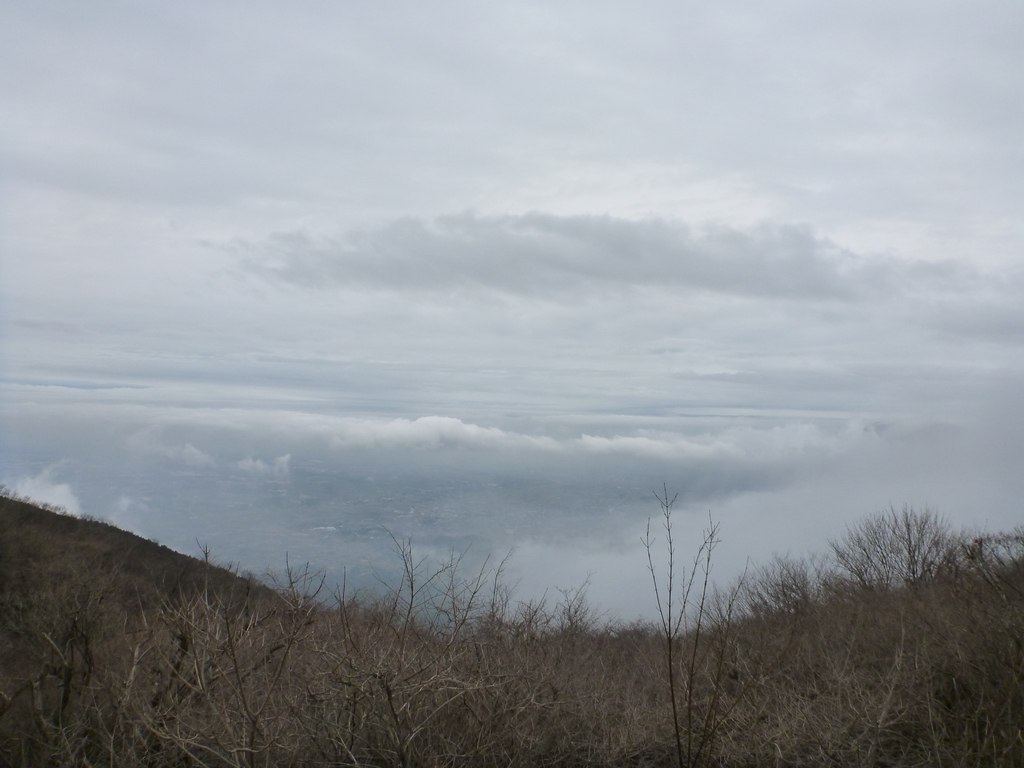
(297, 280)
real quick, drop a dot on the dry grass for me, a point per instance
(121, 653)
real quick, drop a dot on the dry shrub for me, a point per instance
(907, 652)
(802, 663)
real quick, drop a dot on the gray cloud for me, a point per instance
(545, 255)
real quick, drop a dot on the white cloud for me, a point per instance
(780, 446)
(770, 445)
(148, 440)
(429, 432)
(278, 466)
(44, 488)
(192, 456)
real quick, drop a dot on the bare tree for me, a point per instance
(906, 547)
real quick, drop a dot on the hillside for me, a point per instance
(904, 646)
(67, 586)
(39, 545)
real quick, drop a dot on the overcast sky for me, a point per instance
(524, 260)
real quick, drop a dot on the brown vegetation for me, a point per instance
(904, 647)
